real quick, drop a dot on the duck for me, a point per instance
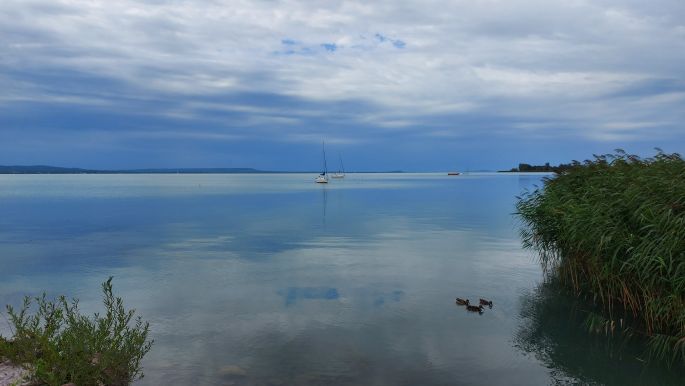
(485, 302)
(478, 309)
(462, 302)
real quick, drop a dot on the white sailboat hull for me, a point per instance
(323, 178)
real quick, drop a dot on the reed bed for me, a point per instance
(613, 230)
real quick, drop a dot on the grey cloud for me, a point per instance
(586, 63)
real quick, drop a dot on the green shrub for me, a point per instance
(60, 345)
(613, 229)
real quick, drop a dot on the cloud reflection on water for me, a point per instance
(293, 294)
(366, 296)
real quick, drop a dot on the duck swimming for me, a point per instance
(462, 302)
(484, 302)
(478, 309)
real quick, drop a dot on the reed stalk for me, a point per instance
(613, 230)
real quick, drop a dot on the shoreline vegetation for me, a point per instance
(56, 345)
(612, 230)
(546, 168)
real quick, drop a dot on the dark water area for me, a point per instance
(274, 280)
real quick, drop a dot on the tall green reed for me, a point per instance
(613, 230)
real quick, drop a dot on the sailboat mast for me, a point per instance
(325, 167)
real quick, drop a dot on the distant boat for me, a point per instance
(341, 171)
(453, 173)
(323, 178)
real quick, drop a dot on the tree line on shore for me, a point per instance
(527, 168)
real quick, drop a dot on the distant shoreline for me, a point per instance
(532, 171)
(546, 168)
(42, 169)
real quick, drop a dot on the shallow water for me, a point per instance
(274, 280)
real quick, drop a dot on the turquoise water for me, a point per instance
(275, 280)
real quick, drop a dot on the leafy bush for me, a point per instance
(60, 345)
(613, 229)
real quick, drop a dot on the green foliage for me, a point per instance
(60, 345)
(5, 347)
(613, 229)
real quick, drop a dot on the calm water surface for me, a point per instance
(274, 280)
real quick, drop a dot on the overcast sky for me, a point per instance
(412, 85)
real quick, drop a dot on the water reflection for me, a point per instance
(394, 296)
(318, 357)
(324, 202)
(553, 331)
(252, 280)
(293, 294)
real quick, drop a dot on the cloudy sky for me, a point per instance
(415, 85)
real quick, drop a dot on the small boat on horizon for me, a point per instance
(341, 171)
(453, 173)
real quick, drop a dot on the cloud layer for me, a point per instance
(229, 82)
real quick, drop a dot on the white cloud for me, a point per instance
(529, 59)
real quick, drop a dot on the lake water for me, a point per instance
(275, 280)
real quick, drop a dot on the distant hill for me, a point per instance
(196, 171)
(43, 169)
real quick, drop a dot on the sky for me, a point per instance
(414, 85)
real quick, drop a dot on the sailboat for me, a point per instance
(323, 178)
(341, 171)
